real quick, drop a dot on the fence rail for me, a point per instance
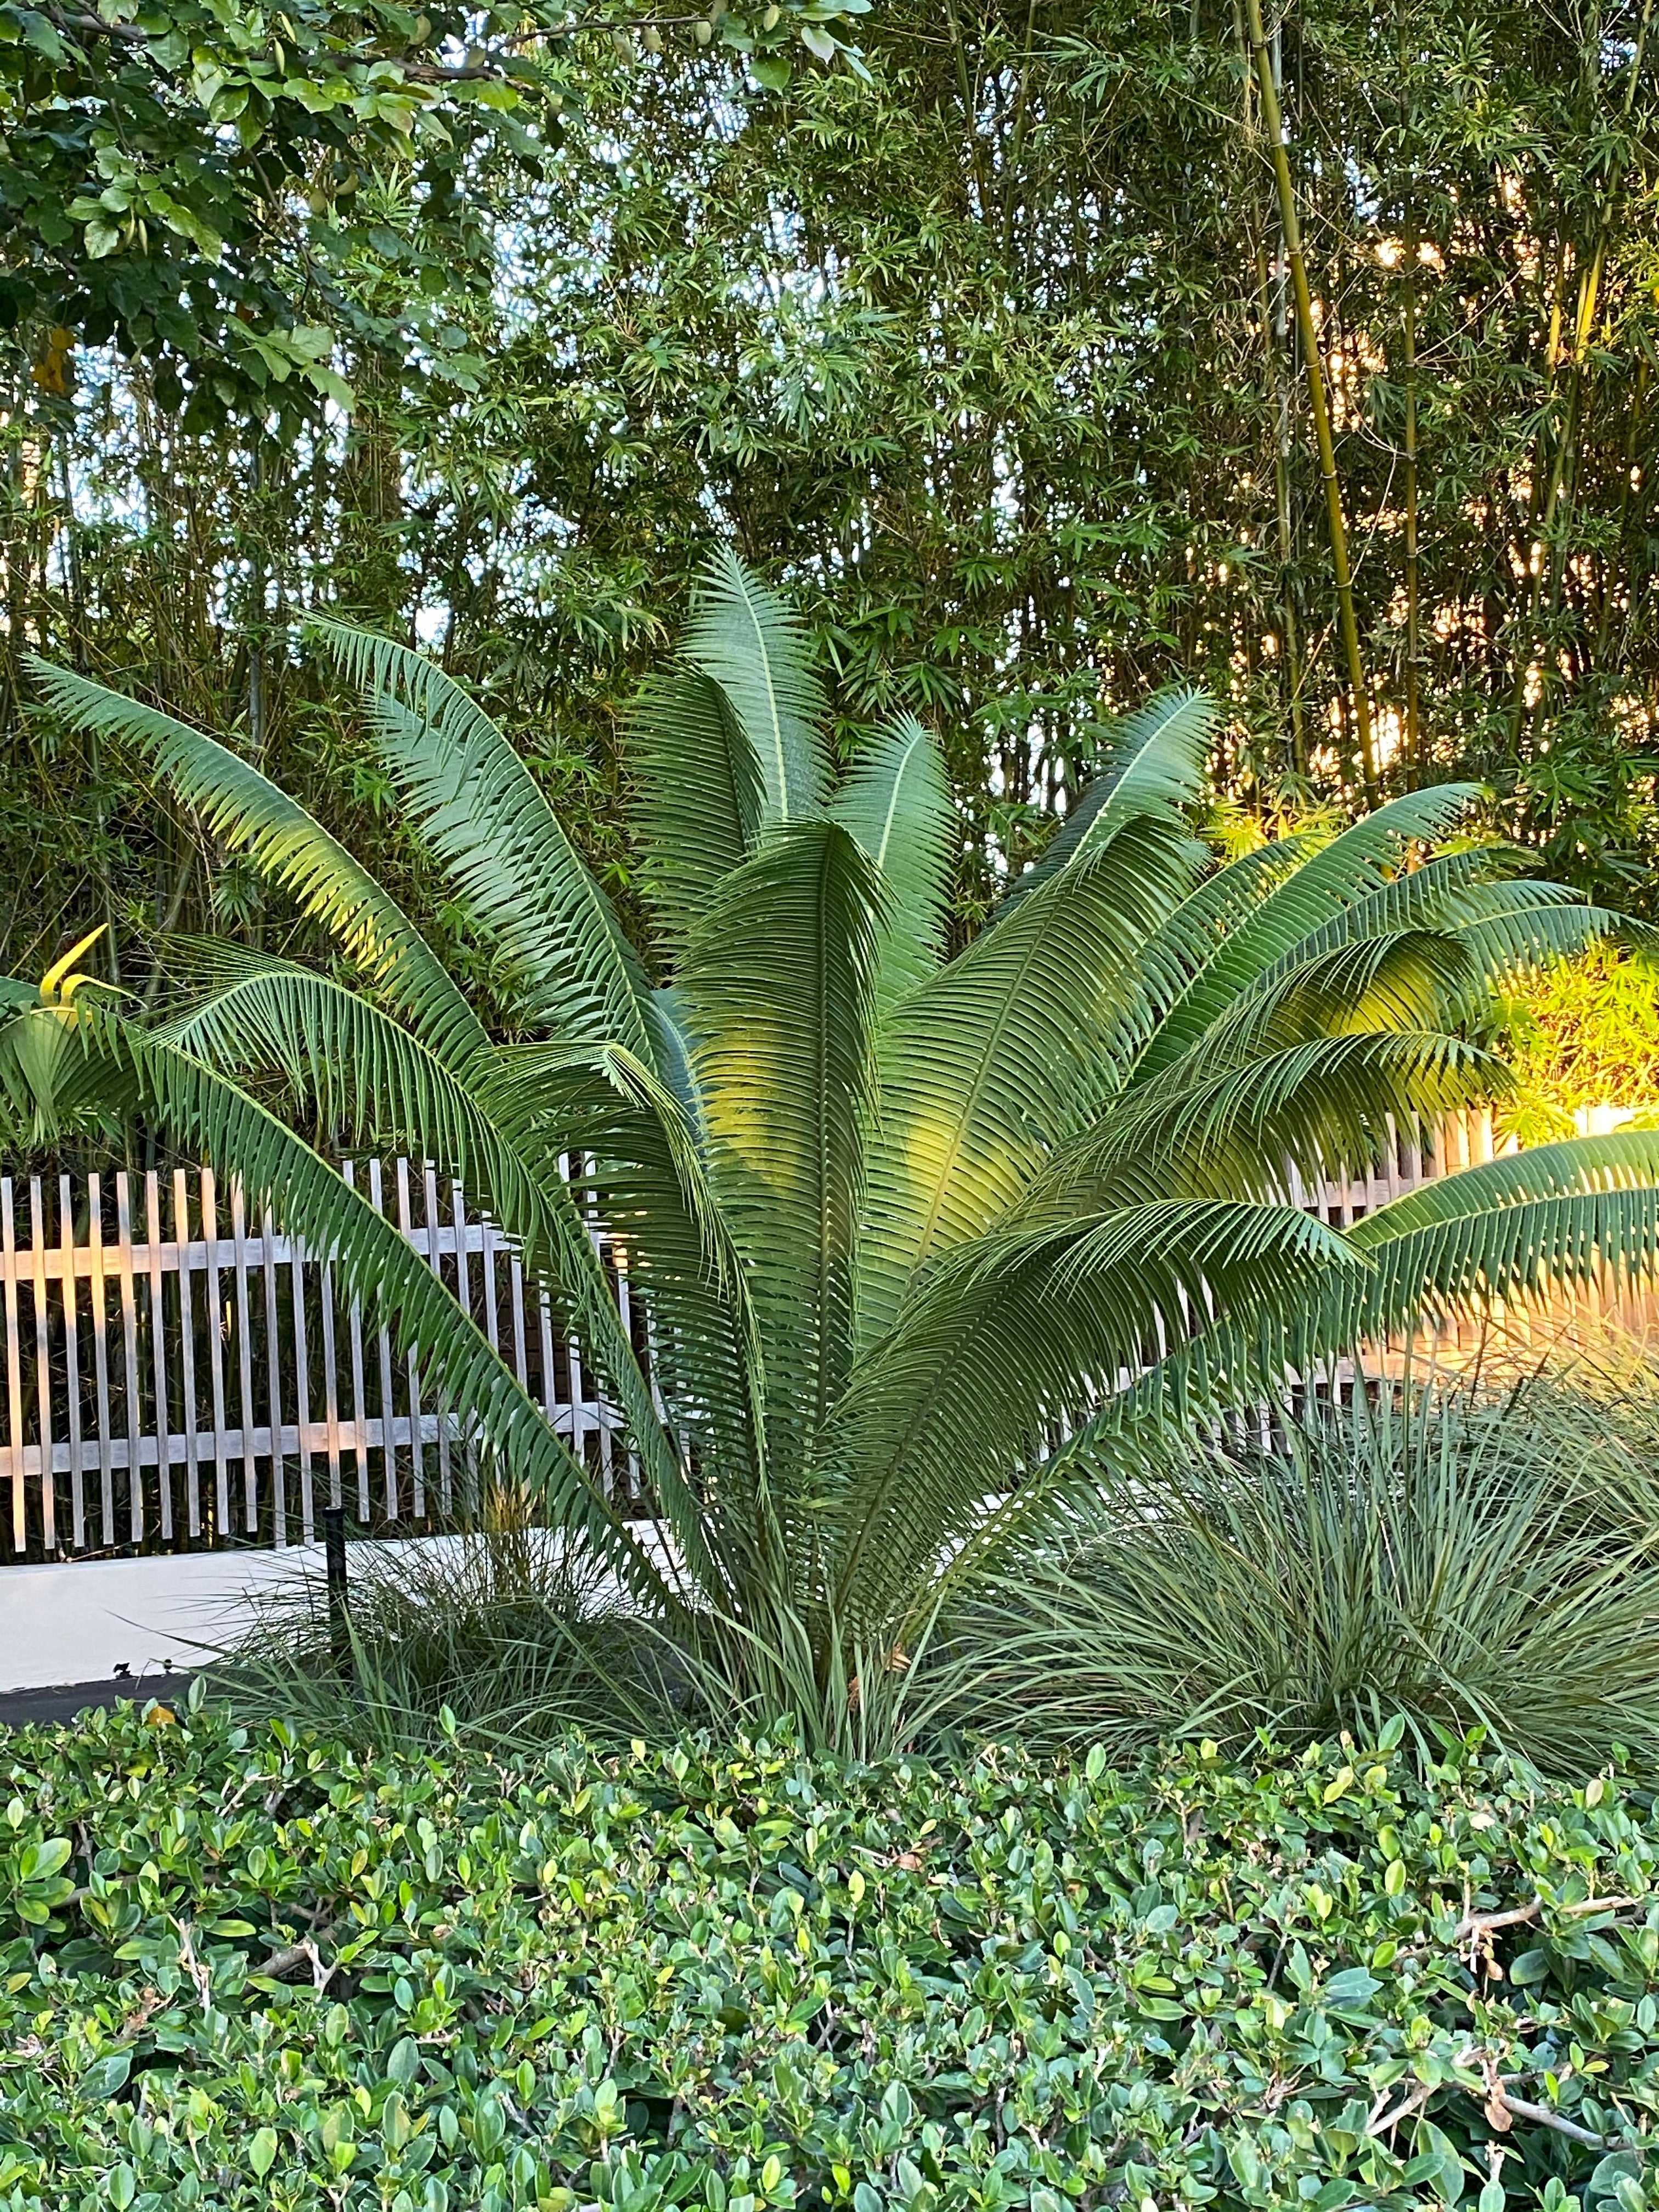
(180, 1377)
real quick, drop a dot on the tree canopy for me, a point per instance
(200, 184)
(994, 356)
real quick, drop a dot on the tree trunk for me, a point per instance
(1318, 405)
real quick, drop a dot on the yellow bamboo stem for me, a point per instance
(1318, 406)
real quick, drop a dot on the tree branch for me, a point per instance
(1483, 1924)
(1541, 2116)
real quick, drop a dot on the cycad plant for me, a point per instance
(924, 1242)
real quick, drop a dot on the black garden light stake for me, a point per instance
(334, 1556)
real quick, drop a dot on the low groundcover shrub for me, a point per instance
(250, 1968)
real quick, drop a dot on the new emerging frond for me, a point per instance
(751, 643)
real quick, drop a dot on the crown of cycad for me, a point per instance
(922, 1240)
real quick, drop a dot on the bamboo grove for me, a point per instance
(1059, 351)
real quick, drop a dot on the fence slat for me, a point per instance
(488, 1250)
(330, 1384)
(20, 1530)
(70, 1290)
(446, 1493)
(383, 1348)
(520, 1356)
(130, 1354)
(273, 1380)
(302, 1396)
(158, 1353)
(601, 1425)
(187, 1354)
(216, 1343)
(417, 1425)
(549, 1375)
(43, 1369)
(359, 1405)
(100, 1354)
(245, 1356)
(624, 1302)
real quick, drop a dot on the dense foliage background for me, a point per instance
(991, 356)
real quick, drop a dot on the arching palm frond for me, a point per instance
(646, 1171)
(483, 817)
(376, 1267)
(252, 815)
(896, 801)
(376, 664)
(1504, 924)
(1028, 1329)
(670, 1016)
(343, 1063)
(1517, 938)
(1308, 896)
(1178, 951)
(988, 1062)
(1445, 891)
(699, 796)
(781, 979)
(1404, 979)
(1515, 1228)
(1151, 763)
(1509, 1233)
(346, 1065)
(1323, 1110)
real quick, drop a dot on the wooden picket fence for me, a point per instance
(179, 1377)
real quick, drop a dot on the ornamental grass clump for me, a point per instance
(1462, 1555)
(499, 1633)
(930, 1247)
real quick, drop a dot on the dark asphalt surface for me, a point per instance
(63, 1703)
